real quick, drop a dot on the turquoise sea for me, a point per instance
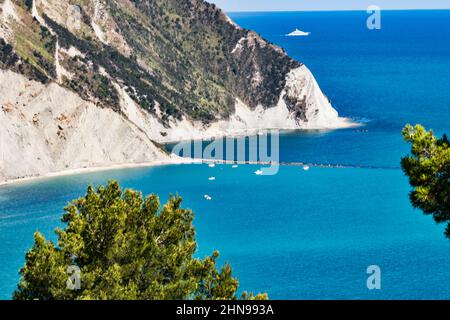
(305, 234)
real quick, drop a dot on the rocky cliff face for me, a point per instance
(45, 129)
(160, 70)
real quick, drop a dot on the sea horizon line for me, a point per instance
(329, 10)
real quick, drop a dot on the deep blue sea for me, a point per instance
(305, 234)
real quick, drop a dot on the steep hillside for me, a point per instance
(171, 69)
(48, 136)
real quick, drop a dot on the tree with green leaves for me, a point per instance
(428, 169)
(124, 247)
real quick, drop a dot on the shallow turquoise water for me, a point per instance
(307, 235)
(296, 235)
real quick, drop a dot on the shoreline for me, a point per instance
(343, 124)
(346, 123)
(72, 172)
(184, 161)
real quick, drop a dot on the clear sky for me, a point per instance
(292, 5)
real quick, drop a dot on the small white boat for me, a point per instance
(212, 165)
(298, 33)
(207, 197)
(259, 172)
(306, 168)
(235, 166)
(212, 179)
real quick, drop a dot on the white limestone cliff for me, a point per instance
(46, 128)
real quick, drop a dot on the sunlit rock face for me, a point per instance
(148, 71)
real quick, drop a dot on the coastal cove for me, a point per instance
(302, 234)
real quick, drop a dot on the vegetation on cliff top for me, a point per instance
(177, 55)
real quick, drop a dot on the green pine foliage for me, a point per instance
(428, 169)
(127, 248)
